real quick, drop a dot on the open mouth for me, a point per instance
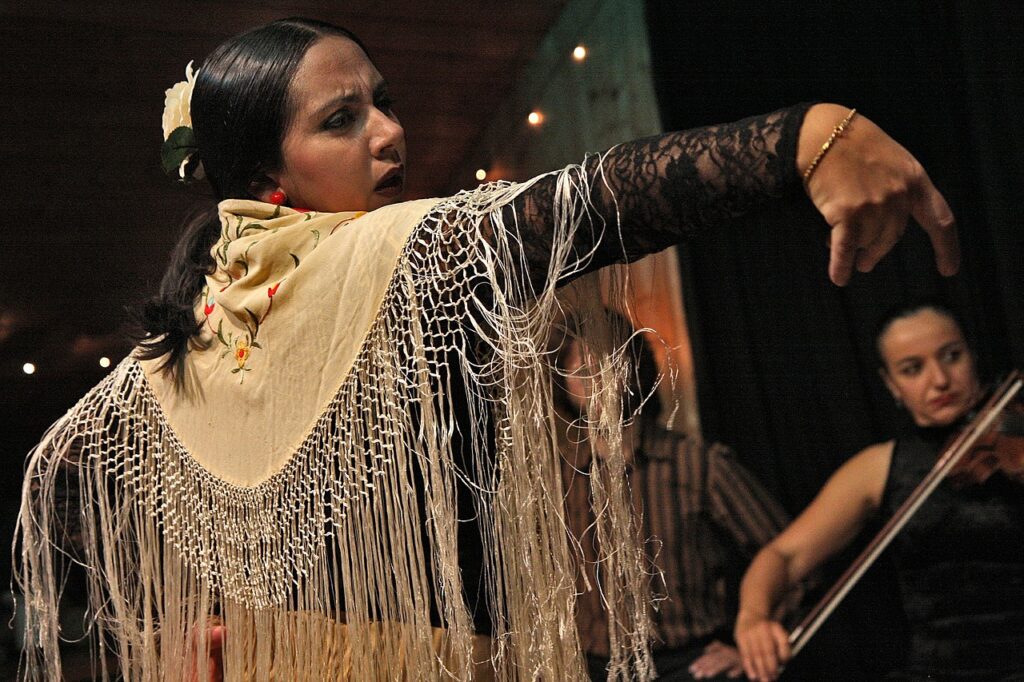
(392, 182)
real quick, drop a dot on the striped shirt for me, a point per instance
(705, 517)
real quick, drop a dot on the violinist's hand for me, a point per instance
(867, 187)
(763, 645)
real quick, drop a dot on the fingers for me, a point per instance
(745, 642)
(763, 648)
(933, 214)
(867, 190)
(717, 659)
(715, 645)
(782, 649)
(866, 237)
(843, 244)
(894, 224)
(764, 666)
(707, 665)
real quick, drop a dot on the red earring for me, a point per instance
(277, 197)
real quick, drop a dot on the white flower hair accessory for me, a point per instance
(177, 155)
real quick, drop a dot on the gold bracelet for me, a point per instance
(836, 132)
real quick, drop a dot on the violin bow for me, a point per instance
(953, 453)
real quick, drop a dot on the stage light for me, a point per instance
(481, 174)
(28, 368)
(580, 53)
(535, 118)
(104, 362)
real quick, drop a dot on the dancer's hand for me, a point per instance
(867, 187)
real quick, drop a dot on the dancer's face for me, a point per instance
(344, 149)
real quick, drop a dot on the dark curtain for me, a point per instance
(785, 364)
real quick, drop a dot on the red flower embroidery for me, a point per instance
(272, 290)
(208, 308)
(242, 351)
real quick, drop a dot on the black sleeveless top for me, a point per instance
(960, 561)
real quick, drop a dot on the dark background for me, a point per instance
(783, 358)
(89, 218)
(785, 368)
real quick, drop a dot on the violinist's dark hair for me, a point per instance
(240, 112)
(910, 308)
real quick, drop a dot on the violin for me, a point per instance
(992, 441)
(999, 449)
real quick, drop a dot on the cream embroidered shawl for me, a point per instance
(300, 484)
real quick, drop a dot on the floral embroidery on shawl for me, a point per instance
(252, 251)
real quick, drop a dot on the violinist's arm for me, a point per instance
(828, 524)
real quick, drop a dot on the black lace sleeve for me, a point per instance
(668, 187)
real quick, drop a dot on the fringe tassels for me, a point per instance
(332, 567)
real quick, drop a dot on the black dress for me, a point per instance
(960, 561)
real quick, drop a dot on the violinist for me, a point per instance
(960, 558)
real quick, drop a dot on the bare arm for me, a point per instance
(828, 524)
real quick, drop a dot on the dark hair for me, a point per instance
(907, 309)
(240, 112)
(240, 103)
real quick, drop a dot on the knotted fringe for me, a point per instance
(330, 568)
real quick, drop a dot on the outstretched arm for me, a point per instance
(665, 188)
